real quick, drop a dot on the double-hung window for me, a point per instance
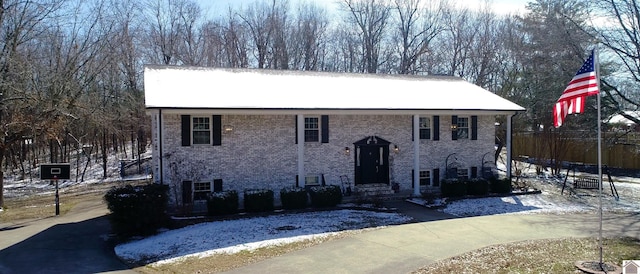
(463, 127)
(201, 127)
(425, 177)
(311, 129)
(463, 174)
(201, 190)
(425, 128)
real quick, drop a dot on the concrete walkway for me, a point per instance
(436, 236)
(70, 243)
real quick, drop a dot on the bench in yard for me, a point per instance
(585, 182)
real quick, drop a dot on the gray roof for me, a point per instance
(214, 88)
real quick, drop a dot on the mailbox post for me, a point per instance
(55, 172)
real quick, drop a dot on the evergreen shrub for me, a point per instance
(453, 188)
(325, 196)
(222, 203)
(258, 200)
(139, 210)
(293, 197)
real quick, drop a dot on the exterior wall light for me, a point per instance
(396, 149)
(347, 150)
(227, 128)
(454, 127)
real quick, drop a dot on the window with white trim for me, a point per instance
(311, 129)
(425, 128)
(463, 173)
(201, 127)
(201, 190)
(463, 127)
(312, 180)
(425, 177)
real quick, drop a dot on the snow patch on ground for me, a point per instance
(17, 186)
(234, 236)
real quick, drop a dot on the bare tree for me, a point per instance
(191, 47)
(370, 18)
(417, 26)
(308, 37)
(280, 26)
(621, 37)
(20, 23)
(257, 18)
(164, 34)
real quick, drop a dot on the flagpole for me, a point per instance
(597, 64)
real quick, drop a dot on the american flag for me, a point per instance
(584, 84)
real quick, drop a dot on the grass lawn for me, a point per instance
(539, 256)
(42, 205)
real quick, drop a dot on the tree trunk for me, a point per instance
(104, 154)
(2, 151)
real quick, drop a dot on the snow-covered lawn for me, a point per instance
(550, 201)
(233, 236)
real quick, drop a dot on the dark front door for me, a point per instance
(372, 161)
(370, 164)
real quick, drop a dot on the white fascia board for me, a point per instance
(332, 112)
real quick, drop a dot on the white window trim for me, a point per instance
(314, 177)
(319, 129)
(430, 128)
(193, 189)
(468, 127)
(193, 130)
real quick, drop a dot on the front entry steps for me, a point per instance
(367, 190)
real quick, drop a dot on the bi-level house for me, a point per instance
(220, 129)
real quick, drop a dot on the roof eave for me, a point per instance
(318, 111)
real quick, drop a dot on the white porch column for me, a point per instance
(416, 155)
(160, 142)
(300, 134)
(509, 145)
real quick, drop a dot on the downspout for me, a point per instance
(161, 171)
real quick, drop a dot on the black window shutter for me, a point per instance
(217, 130)
(186, 192)
(474, 172)
(186, 130)
(297, 181)
(474, 127)
(217, 185)
(436, 128)
(436, 177)
(296, 133)
(454, 122)
(324, 124)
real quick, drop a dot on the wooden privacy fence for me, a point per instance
(579, 150)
